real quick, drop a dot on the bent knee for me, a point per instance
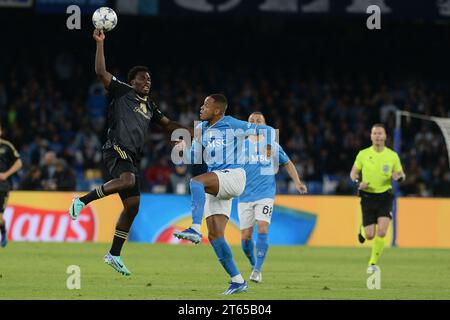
(381, 234)
(246, 235)
(370, 236)
(128, 181)
(214, 235)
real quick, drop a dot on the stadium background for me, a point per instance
(321, 78)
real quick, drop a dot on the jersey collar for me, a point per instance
(209, 127)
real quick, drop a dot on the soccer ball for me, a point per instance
(104, 18)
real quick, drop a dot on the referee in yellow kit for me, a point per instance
(378, 165)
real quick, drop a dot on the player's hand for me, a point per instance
(3, 176)
(301, 187)
(398, 176)
(180, 145)
(99, 35)
(269, 151)
(363, 185)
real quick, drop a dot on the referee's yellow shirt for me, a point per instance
(377, 168)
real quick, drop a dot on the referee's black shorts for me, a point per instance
(375, 205)
(117, 161)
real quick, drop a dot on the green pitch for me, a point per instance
(38, 271)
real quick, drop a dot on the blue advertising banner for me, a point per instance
(60, 6)
(161, 215)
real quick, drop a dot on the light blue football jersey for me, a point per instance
(224, 142)
(260, 171)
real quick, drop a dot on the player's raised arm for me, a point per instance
(100, 64)
(171, 126)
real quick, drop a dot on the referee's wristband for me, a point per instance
(356, 181)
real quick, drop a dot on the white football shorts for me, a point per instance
(231, 185)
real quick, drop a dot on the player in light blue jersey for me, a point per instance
(256, 202)
(212, 192)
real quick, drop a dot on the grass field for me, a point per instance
(38, 271)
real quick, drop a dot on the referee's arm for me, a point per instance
(354, 175)
(399, 176)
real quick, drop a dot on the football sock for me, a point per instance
(238, 279)
(95, 194)
(377, 250)
(248, 247)
(197, 227)
(2, 230)
(262, 245)
(362, 231)
(223, 252)
(198, 198)
(118, 241)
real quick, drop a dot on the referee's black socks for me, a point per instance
(2, 229)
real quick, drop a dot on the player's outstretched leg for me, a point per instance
(112, 258)
(198, 196)
(216, 228)
(125, 181)
(200, 185)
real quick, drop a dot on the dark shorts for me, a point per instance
(118, 161)
(375, 205)
(3, 201)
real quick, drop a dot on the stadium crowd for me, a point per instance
(54, 111)
(322, 126)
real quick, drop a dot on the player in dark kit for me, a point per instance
(10, 163)
(129, 116)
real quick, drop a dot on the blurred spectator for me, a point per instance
(48, 170)
(32, 180)
(157, 176)
(179, 180)
(96, 105)
(64, 177)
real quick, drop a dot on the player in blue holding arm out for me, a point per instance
(256, 202)
(212, 192)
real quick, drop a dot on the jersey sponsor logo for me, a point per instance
(33, 224)
(386, 168)
(142, 110)
(259, 158)
(216, 143)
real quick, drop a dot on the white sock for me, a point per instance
(197, 227)
(237, 279)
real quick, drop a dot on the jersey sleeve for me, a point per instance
(283, 157)
(397, 164)
(248, 129)
(358, 161)
(157, 114)
(118, 88)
